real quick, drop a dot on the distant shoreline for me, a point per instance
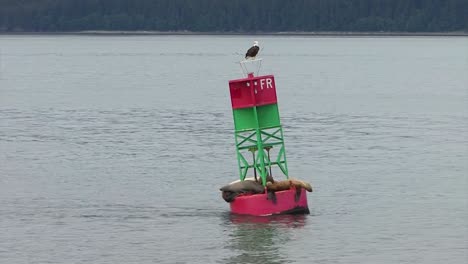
(190, 33)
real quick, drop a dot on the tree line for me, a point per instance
(242, 16)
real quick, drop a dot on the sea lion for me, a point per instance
(301, 184)
(243, 186)
(278, 186)
(232, 190)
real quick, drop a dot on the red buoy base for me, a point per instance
(286, 202)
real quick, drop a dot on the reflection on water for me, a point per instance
(293, 221)
(257, 238)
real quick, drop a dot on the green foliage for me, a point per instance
(234, 15)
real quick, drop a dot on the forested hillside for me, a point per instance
(234, 15)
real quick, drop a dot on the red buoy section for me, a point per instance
(253, 91)
(261, 205)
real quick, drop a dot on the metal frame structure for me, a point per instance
(257, 125)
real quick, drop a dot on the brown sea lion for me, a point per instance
(278, 186)
(286, 185)
(301, 184)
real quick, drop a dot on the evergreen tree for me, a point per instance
(234, 15)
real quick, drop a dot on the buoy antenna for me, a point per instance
(251, 66)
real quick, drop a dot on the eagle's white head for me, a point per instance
(255, 43)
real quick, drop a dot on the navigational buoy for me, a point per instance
(260, 149)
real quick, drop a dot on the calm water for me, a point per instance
(112, 150)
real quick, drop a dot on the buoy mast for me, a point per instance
(258, 131)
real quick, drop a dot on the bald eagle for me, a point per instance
(252, 52)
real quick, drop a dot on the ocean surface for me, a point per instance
(113, 149)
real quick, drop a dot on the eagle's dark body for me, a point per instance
(252, 52)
